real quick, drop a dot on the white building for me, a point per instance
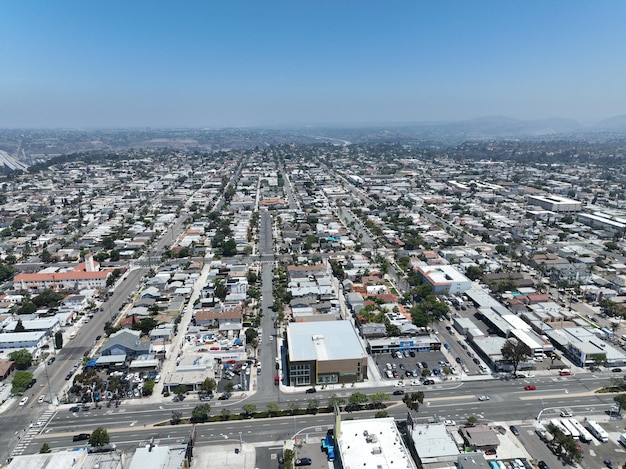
(372, 443)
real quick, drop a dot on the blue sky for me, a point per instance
(281, 63)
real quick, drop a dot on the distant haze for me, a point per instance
(77, 64)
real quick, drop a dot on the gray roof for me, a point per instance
(126, 339)
(323, 341)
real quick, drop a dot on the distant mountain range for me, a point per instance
(20, 148)
(490, 127)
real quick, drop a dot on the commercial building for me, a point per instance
(444, 279)
(555, 203)
(85, 275)
(372, 443)
(326, 352)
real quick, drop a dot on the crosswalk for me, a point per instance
(30, 432)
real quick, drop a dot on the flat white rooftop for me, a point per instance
(373, 443)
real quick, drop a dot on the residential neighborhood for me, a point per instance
(369, 276)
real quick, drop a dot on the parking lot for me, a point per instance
(414, 366)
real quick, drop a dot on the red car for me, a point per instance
(530, 387)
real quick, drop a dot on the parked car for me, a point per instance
(311, 390)
(566, 413)
(490, 452)
(81, 437)
(303, 462)
(514, 430)
(398, 392)
(530, 387)
(616, 370)
(429, 381)
(74, 408)
(543, 465)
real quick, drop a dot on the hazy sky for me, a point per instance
(234, 62)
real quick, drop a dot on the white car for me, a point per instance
(36, 424)
(483, 398)
(41, 398)
(449, 423)
(24, 400)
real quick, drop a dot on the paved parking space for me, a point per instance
(414, 363)
(311, 447)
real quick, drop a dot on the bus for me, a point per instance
(575, 434)
(560, 426)
(585, 436)
(597, 431)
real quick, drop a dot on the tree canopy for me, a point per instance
(20, 382)
(515, 352)
(22, 358)
(99, 437)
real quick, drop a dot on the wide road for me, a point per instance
(508, 401)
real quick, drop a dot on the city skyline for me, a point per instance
(210, 64)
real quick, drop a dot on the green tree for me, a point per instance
(378, 398)
(413, 400)
(200, 413)
(313, 405)
(392, 330)
(357, 399)
(225, 414)
(22, 358)
(229, 249)
(381, 414)
(148, 387)
(294, 407)
(45, 448)
(229, 387)
(474, 272)
(251, 333)
(620, 399)
(45, 256)
(289, 456)
(248, 409)
(99, 437)
(180, 389)
(471, 420)
(20, 382)
(515, 352)
(272, 409)
(221, 290)
(145, 325)
(208, 385)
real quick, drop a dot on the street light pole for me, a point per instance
(240, 443)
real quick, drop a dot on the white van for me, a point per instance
(622, 439)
